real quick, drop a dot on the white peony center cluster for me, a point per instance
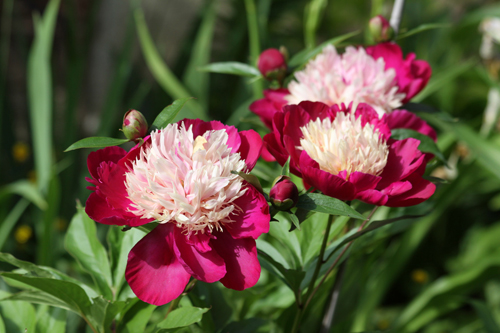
(345, 145)
(352, 77)
(186, 180)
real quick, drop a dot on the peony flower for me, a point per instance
(377, 75)
(208, 217)
(350, 155)
(380, 29)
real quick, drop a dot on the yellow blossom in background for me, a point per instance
(23, 234)
(20, 152)
(32, 176)
(61, 224)
(419, 276)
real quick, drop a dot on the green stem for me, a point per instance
(253, 34)
(319, 263)
(308, 299)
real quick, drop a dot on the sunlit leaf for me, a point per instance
(231, 67)
(181, 317)
(96, 142)
(325, 204)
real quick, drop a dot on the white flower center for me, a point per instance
(345, 145)
(352, 77)
(185, 180)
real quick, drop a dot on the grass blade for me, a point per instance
(160, 70)
(40, 92)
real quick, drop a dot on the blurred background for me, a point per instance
(105, 57)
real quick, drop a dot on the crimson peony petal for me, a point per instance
(99, 210)
(204, 266)
(253, 219)
(405, 119)
(240, 256)
(372, 197)
(331, 185)
(363, 181)
(108, 154)
(250, 148)
(272, 103)
(153, 271)
(421, 190)
(266, 155)
(404, 158)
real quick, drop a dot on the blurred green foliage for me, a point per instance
(439, 273)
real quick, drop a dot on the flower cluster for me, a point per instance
(334, 124)
(208, 217)
(377, 75)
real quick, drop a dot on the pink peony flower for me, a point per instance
(349, 155)
(209, 218)
(378, 76)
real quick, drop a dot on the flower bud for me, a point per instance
(284, 194)
(380, 29)
(135, 125)
(272, 64)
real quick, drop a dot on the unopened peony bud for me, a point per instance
(272, 64)
(380, 29)
(135, 125)
(284, 194)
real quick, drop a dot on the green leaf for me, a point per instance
(51, 320)
(286, 168)
(27, 266)
(168, 114)
(303, 56)
(325, 204)
(251, 179)
(442, 78)
(487, 153)
(486, 316)
(182, 317)
(312, 17)
(27, 190)
(295, 221)
(136, 317)
(38, 297)
(103, 312)
(249, 325)
(292, 277)
(427, 145)
(163, 75)
(196, 82)
(120, 243)
(423, 27)
(10, 221)
(19, 316)
(82, 243)
(375, 225)
(231, 67)
(39, 84)
(96, 142)
(67, 292)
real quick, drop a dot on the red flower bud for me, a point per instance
(380, 29)
(284, 194)
(135, 125)
(272, 64)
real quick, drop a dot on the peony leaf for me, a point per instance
(423, 27)
(295, 221)
(427, 145)
(96, 142)
(135, 316)
(231, 67)
(19, 316)
(66, 292)
(168, 114)
(286, 168)
(303, 56)
(103, 312)
(82, 243)
(182, 317)
(486, 315)
(324, 204)
(251, 179)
